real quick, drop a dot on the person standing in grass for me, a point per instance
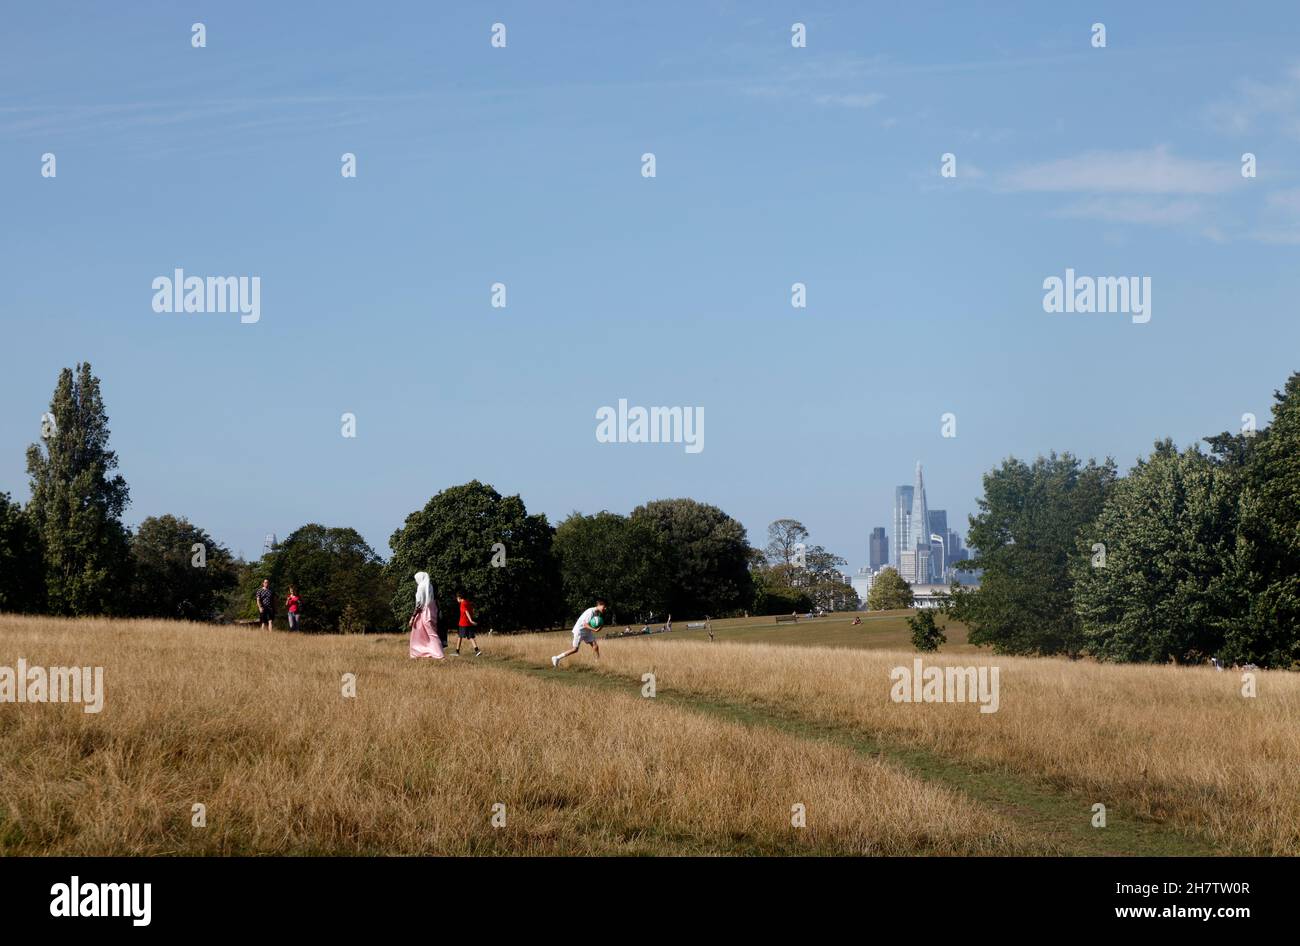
(465, 631)
(424, 621)
(265, 605)
(291, 607)
(584, 631)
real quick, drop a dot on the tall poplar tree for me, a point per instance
(77, 503)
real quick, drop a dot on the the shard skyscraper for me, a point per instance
(914, 558)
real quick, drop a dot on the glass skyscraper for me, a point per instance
(902, 512)
(918, 538)
(878, 548)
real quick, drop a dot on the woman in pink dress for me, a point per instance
(424, 622)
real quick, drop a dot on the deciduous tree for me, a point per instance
(77, 503)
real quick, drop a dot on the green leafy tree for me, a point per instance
(179, 571)
(77, 503)
(773, 591)
(926, 634)
(708, 561)
(784, 536)
(889, 592)
(1032, 521)
(339, 578)
(621, 559)
(798, 576)
(1269, 540)
(237, 603)
(22, 574)
(823, 577)
(457, 537)
(1156, 577)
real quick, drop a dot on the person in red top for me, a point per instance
(291, 603)
(465, 631)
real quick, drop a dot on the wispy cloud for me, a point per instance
(1153, 171)
(862, 100)
(1150, 187)
(1280, 223)
(1255, 105)
(1141, 210)
(77, 119)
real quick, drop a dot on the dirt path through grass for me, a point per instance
(1057, 817)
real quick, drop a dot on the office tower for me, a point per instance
(939, 523)
(902, 509)
(940, 557)
(919, 534)
(914, 566)
(862, 582)
(907, 566)
(878, 548)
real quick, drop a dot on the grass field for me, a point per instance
(742, 736)
(879, 630)
(1174, 746)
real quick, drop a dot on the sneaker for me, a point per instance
(455, 653)
(555, 661)
(477, 652)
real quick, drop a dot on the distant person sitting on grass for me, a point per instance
(265, 605)
(584, 632)
(465, 631)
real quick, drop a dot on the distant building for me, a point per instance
(918, 561)
(915, 566)
(939, 523)
(956, 553)
(862, 582)
(902, 512)
(878, 555)
(929, 596)
(918, 538)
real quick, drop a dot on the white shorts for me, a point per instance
(583, 634)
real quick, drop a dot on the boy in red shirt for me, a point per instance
(465, 631)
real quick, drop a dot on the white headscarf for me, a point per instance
(424, 591)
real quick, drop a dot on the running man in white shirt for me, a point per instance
(584, 630)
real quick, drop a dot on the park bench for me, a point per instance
(787, 619)
(697, 625)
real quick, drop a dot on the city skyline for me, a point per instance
(905, 545)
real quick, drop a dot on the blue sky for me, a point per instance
(522, 165)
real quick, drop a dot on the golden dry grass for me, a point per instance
(255, 727)
(1176, 744)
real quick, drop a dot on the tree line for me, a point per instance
(1193, 555)
(67, 552)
